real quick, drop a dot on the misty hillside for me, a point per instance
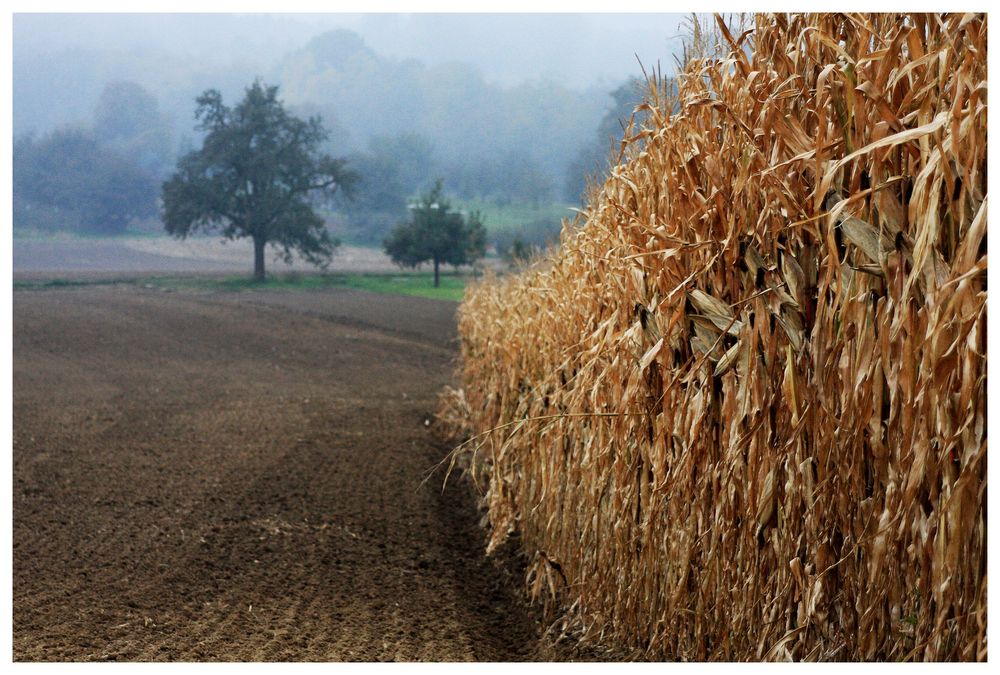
(408, 98)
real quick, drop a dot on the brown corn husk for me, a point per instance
(740, 412)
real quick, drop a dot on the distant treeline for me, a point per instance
(402, 124)
(98, 177)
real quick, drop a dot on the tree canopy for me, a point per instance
(392, 171)
(128, 119)
(258, 174)
(67, 180)
(472, 122)
(436, 234)
(592, 160)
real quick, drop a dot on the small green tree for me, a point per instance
(257, 175)
(436, 234)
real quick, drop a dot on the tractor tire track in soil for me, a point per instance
(237, 477)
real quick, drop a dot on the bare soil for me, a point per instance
(81, 257)
(55, 255)
(241, 476)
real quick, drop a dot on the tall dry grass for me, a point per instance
(740, 412)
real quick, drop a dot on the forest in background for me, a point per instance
(85, 119)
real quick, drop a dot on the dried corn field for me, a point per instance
(739, 413)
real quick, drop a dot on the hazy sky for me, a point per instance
(578, 49)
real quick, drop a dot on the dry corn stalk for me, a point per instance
(740, 412)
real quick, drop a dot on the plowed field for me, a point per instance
(240, 476)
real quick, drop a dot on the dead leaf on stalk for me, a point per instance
(716, 311)
(650, 354)
(728, 359)
(866, 237)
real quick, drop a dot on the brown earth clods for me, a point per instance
(238, 476)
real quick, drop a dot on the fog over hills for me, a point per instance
(504, 108)
(579, 49)
(62, 60)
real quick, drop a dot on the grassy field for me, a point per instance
(520, 220)
(516, 214)
(421, 285)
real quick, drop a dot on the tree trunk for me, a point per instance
(258, 258)
(437, 275)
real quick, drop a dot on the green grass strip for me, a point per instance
(420, 285)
